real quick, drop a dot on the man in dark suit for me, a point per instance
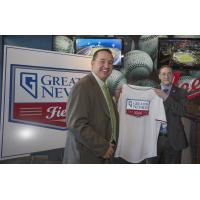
(92, 117)
(172, 139)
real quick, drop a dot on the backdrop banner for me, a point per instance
(35, 88)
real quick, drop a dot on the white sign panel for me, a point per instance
(35, 89)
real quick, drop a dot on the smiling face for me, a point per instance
(166, 76)
(102, 65)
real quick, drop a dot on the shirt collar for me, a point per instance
(99, 81)
(166, 87)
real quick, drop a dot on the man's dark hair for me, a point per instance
(164, 66)
(96, 53)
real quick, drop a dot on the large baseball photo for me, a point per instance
(143, 56)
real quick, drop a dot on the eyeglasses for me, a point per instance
(166, 74)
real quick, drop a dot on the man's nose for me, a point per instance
(106, 64)
(168, 75)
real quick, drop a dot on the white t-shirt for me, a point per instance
(141, 113)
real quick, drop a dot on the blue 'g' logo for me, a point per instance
(28, 81)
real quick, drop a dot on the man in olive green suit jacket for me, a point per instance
(89, 119)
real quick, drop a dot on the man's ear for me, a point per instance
(159, 76)
(92, 63)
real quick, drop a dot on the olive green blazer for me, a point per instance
(88, 120)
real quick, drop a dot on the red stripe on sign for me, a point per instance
(43, 113)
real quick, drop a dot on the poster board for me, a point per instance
(35, 88)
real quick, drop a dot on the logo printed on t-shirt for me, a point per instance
(137, 107)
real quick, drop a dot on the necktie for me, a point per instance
(166, 90)
(111, 110)
(163, 128)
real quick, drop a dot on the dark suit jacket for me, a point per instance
(175, 108)
(89, 121)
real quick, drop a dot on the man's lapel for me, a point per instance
(99, 95)
(173, 91)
